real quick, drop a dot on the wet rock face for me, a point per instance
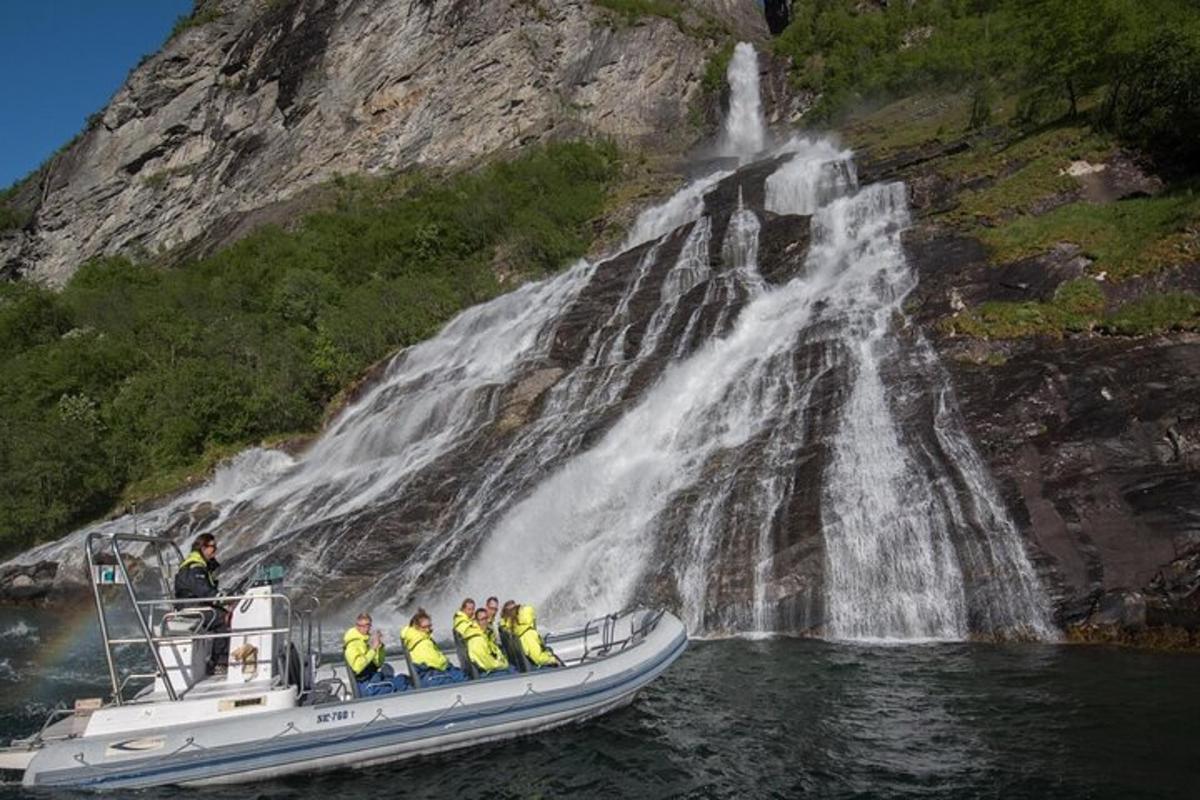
(1083, 437)
(28, 583)
(1092, 439)
(269, 99)
(1095, 441)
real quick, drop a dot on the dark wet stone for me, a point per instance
(27, 583)
(1094, 453)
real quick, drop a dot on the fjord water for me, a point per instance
(773, 718)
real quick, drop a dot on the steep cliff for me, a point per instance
(256, 101)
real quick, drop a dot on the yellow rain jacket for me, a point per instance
(422, 649)
(482, 651)
(531, 641)
(461, 623)
(360, 657)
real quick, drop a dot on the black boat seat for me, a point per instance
(464, 661)
(513, 651)
(413, 678)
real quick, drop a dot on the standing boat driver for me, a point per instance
(364, 657)
(197, 579)
(525, 629)
(433, 668)
(483, 651)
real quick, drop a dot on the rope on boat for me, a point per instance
(188, 742)
(291, 726)
(458, 701)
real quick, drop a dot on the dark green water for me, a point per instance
(779, 718)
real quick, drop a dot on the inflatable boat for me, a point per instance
(280, 708)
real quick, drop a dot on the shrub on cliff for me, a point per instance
(135, 372)
(1142, 60)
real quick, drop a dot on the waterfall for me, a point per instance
(760, 449)
(745, 129)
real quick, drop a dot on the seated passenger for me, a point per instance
(433, 668)
(364, 656)
(524, 628)
(484, 653)
(464, 617)
(493, 609)
(508, 615)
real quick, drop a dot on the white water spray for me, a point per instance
(745, 128)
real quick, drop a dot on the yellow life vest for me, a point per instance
(422, 649)
(482, 651)
(359, 654)
(531, 641)
(461, 623)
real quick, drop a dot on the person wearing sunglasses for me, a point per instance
(433, 668)
(364, 655)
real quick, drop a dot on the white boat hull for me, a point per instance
(362, 732)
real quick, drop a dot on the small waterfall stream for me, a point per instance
(666, 425)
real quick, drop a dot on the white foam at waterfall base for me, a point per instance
(744, 133)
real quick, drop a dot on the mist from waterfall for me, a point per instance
(667, 456)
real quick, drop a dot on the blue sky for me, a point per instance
(61, 60)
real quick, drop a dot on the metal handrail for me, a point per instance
(145, 621)
(607, 628)
(192, 636)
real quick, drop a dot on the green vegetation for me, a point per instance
(1128, 238)
(633, 10)
(1015, 176)
(11, 218)
(1143, 60)
(194, 20)
(1078, 305)
(715, 69)
(1176, 311)
(134, 378)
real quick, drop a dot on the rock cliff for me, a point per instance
(258, 100)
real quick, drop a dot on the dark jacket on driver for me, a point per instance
(196, 577)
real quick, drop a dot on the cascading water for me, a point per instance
(669, 426)
(745, 129)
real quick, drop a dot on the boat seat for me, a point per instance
(514, 652)
(413, 678)
(327, 690)
(464, 661)
(190, 621)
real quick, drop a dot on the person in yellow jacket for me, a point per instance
(364, 655)
(508, 615)
(493, 612)
(464, 617)
(525, 629)
(433, 668)
(484, 653)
